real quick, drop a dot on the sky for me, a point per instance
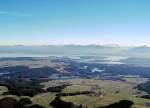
(45, 22)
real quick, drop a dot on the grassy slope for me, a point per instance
(110, 87)
(126, 91)
(3, 89)
(44, 99)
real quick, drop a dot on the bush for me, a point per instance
(25, 101)
(120, 104)
(58, 103)
(8, 102)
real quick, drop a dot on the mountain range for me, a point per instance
(65, 50)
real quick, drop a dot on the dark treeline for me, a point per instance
(10, 102)
(28, 87)
(58, 103)
(24, 81)
(146, 96)
(144, 87)
(58, 88)
(120, 104)
(73, 94)
(22, 87)
(24, 71)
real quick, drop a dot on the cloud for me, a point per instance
(19, 14)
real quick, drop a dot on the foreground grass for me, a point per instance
(43, 99)
(3, 89)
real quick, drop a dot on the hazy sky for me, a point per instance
(125, 22)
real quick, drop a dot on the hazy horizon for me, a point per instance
(109, 45)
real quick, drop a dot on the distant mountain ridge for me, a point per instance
(76, 50)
